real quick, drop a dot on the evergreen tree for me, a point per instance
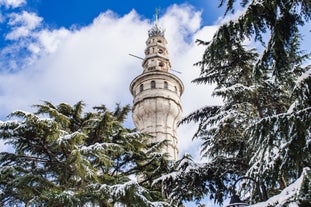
(262, 130)
(62, 156)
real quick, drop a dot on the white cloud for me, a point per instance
(184, 17)
(22, 24)
(49, 41)
(92, 63)
(12, 3)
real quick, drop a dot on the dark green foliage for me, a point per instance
(62, 156)
(262, 130)
(188, 180)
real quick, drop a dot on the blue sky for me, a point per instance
(82, 12)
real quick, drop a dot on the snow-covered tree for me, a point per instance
(62, 156)
(263, 129)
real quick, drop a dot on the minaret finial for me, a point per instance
(156, 16)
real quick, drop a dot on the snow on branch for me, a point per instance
(98, 147)
(291, 196)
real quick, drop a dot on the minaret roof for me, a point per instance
(156, 31)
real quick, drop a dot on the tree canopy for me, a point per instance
(263, 129)
(62, 156)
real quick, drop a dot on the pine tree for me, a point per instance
(62, 156)
(262, 130)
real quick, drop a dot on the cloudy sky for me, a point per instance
(67, 51)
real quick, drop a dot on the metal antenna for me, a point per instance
(176, 71)
(136, 56)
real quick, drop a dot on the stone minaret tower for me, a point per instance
(157, 108)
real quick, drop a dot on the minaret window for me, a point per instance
(165, 85)
(159, 41)
(153, 84)
(160, 51)
(175, 89)
(141, 87)
(161, 64)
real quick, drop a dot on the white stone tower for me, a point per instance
(157, 108)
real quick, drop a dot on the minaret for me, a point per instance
(157, 108)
